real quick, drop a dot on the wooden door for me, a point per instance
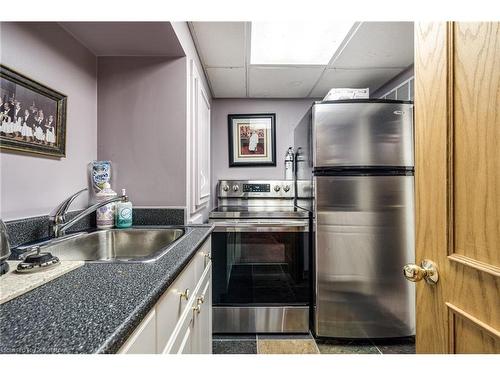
(457, 174)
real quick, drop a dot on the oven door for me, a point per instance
(261, 275)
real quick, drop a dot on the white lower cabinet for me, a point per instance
(181, 321)
(143, 340)
(193, 331)
(203, 319)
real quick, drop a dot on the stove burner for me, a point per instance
(37, 261)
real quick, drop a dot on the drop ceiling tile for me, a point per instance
(221, 44)
(227, 82)
(378, 45)
(282, 82)
(353, 78)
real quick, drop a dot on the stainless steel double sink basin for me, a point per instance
(115, 245)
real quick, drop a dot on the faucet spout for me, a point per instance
(58, 219)
(58, 214)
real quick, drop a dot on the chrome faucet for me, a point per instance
(57, 217)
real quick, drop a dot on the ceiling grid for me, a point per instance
(370, 54)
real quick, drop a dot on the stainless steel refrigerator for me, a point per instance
(363, 202)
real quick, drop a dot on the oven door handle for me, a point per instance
(261, 226)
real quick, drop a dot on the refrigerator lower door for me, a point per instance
(364, 232)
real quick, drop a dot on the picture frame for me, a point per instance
(252, 140)
(32, 116)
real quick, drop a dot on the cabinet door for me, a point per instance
(202, 343)
(182, 340)
(143, 339)
(203, 145)
(199, 143)
(173, 303)
(193, 332)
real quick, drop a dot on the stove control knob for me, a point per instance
(225, 188)
(277, 188)
(286, 188)
(236, 188)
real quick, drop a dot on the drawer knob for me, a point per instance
(184, 294)
(197, 308)
(201, 299)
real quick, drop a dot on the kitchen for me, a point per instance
(275, 185)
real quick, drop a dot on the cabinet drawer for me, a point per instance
(202, 338)
(143, 339)
(171, 305)
(173, 302)
(191, 330)
(182, 339)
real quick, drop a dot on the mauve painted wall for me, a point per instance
(142, 126)
(289, 113)
(184, 35)
(32, 185)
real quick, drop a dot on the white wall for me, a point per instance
(142, 126)
(289, 113)
(33, 185)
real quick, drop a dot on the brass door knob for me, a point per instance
(427, 271)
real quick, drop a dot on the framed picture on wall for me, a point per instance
(32, 116)
(252, 140)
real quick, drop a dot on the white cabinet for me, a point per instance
(143, 340)
(181, 320)
(193, 332)
(182, 339)
(199, 140)
(203, 318)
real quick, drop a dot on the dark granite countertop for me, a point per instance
(94, 308)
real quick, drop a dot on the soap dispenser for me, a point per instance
(124, 212)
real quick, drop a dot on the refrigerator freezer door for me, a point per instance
(359, 134)
(364, 236)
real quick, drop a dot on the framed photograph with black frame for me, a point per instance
(32, 116)
(252, 140)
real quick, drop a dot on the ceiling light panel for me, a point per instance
(296, 43)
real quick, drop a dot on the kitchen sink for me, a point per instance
(115, 245)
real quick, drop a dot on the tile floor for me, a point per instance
(306, 344)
